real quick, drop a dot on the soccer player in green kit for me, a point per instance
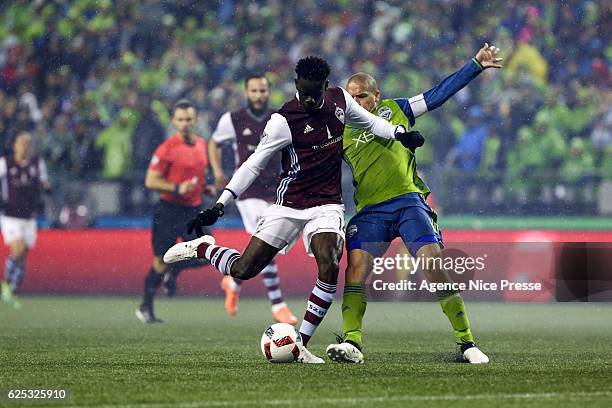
(390, 199)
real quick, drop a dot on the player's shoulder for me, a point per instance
(291, 105)
(276, 120)
(277, 127)
(341, 94)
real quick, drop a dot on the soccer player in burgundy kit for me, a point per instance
(242, 128)
(308, 130)
(23, 177)
(178, 171)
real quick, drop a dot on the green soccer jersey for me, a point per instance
(382, 168)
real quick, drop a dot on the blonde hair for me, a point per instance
(367, 79)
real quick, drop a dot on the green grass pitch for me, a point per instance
(557, 355)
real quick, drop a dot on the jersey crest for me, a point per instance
(340, 114)
(385, 112)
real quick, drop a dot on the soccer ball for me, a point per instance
(280, 343)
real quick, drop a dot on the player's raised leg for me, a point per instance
(226, 260)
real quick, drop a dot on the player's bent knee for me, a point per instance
(18, 250)
(159, 266)
(328, 272)
(429, 251)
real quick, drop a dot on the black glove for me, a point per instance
(204, 219)
(410, 140)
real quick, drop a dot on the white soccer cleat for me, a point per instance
(474, 356)
(306, 357)
(344, 353)
(184, 251)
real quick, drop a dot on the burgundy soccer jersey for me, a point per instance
(21, 186)
(311, 145)
(248, 130)
(312, 162)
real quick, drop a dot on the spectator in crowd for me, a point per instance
(75, 58)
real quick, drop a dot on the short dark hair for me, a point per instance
(254, 76)
(312, 68)
(182, 104)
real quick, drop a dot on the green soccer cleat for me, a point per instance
(9, 297)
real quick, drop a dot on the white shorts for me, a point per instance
(14, 229)
(251, 210)
(281, 226)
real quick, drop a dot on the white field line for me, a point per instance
(358, 401)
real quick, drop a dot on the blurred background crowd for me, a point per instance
(93, 81)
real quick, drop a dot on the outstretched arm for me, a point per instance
(275, 137)
(416, 106)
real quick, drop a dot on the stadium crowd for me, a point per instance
(93, 81)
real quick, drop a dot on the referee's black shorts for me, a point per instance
(169, 223)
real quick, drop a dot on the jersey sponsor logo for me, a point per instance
(328, 143)
(364, 137)
(340, 114)
(308, 129)
(247, 132)
(385, 112)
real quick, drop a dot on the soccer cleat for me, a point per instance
(345, 353)
(7, 292)
(231, 295)
(8, 296)
(184, 251)
(306, 357)
(283, 314)
(146, 315)
(473, 355)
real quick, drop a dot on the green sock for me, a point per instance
(353, 308)
(454, 308)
